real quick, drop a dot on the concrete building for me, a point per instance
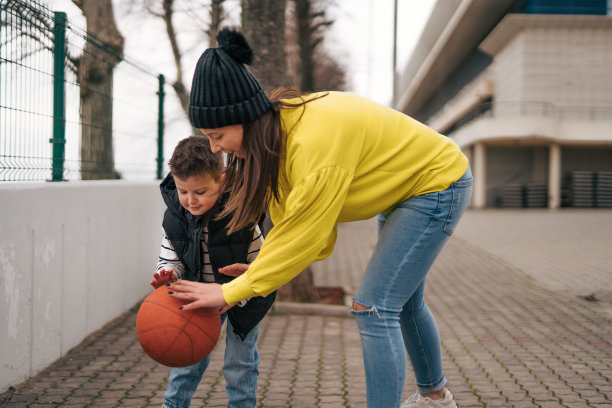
(525, 88)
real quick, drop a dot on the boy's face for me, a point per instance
(198, 194)
(227, 139)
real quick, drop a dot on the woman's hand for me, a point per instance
(236, 269)
(199, 294)
(162, 277)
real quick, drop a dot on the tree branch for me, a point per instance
(179, 86)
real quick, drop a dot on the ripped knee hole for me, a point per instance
(359, 307)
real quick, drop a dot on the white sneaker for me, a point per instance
(416, 400)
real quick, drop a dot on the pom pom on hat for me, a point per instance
(235, 45)
(223, 91)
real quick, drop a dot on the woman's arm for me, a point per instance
(198, 294)
(303, 233)
(307, 228)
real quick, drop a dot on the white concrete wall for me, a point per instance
(507, 72)
(568, 67)
(73, 256)
(563, 67)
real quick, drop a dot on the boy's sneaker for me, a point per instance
(418, 401)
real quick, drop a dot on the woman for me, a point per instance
(320, 159)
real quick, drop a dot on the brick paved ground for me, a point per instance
(567, 251)
(510, 336)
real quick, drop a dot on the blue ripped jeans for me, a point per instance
(398, 320)
(239, 369)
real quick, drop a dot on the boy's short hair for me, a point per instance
(193, 157)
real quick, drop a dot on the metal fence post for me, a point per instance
(160, 127)
(59, 113)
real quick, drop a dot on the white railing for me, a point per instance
(530, 108)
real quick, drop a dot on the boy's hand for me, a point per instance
(236, 269)
(162, 277)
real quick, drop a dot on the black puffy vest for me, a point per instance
(184, 231)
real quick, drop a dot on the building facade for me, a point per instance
(525, 88)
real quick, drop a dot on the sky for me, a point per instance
(364, 30)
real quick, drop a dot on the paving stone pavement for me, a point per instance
(510, 337)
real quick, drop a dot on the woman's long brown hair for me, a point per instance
(253, 181)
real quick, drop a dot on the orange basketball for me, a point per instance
(174, 337)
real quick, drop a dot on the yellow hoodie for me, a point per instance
(346, 158)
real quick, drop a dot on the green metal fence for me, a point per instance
(56, 121)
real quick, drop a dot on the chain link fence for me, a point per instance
(71, 106)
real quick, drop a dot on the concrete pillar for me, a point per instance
(554, 176)
(479, 171)
(468, 151)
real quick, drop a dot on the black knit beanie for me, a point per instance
(223, 91)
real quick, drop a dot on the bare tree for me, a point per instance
(311, 23)
(263, 24)
(328, 74)
(217, 16)
(167, 10)
(310, 66)
(103, 51)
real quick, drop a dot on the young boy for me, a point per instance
(196, 247)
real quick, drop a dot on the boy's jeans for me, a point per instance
(398, 320)
(239, 369)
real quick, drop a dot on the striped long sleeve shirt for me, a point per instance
(168, 259)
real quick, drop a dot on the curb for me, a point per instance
(311, 309)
